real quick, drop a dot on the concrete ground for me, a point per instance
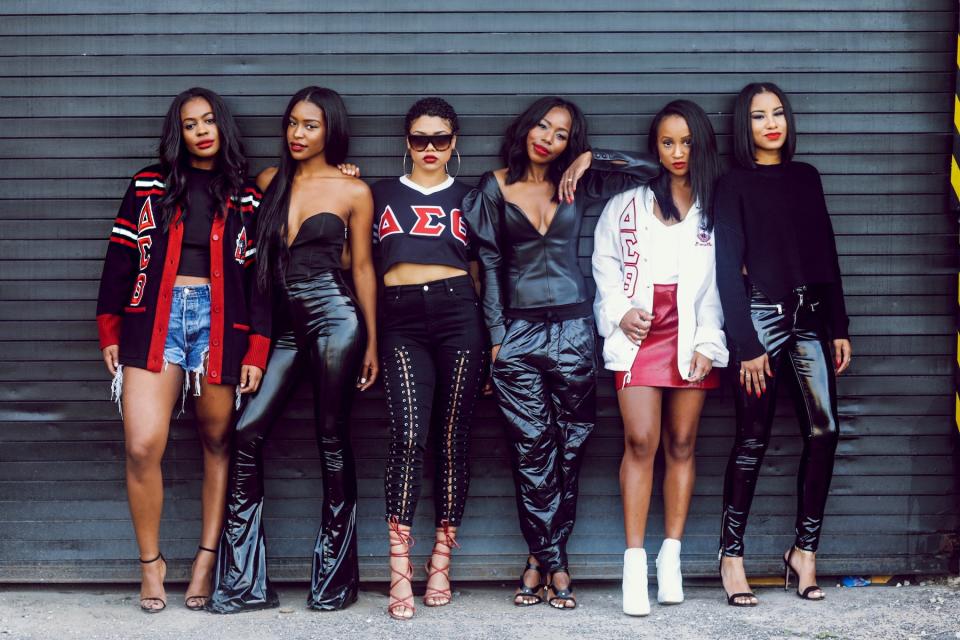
(925, 609)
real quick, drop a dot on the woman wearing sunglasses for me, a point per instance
(431, 344)
(540, 318)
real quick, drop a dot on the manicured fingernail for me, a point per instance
(362, 380)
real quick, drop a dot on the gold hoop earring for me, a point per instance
(403, 163)
(446, 167)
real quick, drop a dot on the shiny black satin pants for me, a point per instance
(432, 360)
(545, 377)
(325, 343)
(795, 339)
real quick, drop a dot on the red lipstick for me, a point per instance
(296, 147)
(679, 165)
(543, 151)
(206, 144)
(429, 159)
(772, 136)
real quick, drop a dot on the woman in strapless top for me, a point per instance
(324, 331)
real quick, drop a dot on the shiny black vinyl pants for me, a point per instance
(432, 360)
(324, 343)
(795, 339)
(545, 377)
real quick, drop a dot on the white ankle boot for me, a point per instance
(636, 601)
(669, 580)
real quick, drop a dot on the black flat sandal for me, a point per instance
(195, 597)
(144, 601)
(529, 592)
(561, 596)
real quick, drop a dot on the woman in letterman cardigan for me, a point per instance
(178, 309)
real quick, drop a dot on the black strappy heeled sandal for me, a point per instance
(561, 596)
(736, 599)
(788, 568)
(529, 592)
(148, 599)
(203, 598)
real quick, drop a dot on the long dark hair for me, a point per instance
(743, 147)
(514, 148)
(272, 232)
(705, 165)
(231, 162)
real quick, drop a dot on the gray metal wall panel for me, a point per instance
(84, 86)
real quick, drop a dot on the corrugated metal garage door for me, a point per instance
(83, 88)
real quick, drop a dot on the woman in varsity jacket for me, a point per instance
(177, 311)
(658, 309)
(432, 344)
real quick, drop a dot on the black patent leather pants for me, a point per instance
(545, 377)
(324, 343)
(794, 336)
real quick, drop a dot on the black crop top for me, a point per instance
(195, 252)
(419, 224)
(317, 247)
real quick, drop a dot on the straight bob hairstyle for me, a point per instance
(743, 147)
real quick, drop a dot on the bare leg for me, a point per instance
(640, 408)
(214, 409)
(734, 579)
(148, 401)
(681, 420)
(400, 605)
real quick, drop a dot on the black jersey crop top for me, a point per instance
(317, 247)
(420, 225)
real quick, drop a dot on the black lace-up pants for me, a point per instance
(432, 360)
(325, 345)
(793, 334)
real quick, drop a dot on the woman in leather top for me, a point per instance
(526, 222)
(780, 287)
(324, 333)
(432, 345)
(658, 311)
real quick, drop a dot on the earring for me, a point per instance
(446, 167)
(403, 163)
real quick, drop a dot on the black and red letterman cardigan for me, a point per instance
(136, 288)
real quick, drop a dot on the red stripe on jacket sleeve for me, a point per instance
(258, 348)
(108, 326)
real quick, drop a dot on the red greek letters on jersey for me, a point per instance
(427, 221)
(388, 224)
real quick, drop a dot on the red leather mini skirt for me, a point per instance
(656, 361)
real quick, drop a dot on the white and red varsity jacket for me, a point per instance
(136, 287)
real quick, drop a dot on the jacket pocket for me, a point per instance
(134, 309)
(241, 327)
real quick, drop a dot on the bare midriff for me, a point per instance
(409, 273)
(190, 281)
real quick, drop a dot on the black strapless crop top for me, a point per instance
(317, 246)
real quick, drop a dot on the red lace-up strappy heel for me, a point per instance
(403, 541)
(440, 597)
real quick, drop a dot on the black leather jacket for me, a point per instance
(534, 275)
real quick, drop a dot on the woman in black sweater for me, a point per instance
(779, 282)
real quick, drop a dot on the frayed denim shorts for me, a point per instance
(188, 334)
